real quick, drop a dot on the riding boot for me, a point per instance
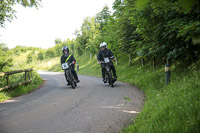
(75, 76)
(115, 77)
(114, 72)
(103, 76)
(68, 83)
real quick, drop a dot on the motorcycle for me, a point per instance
(108, 74)
(68, 73)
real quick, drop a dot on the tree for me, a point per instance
(103, 17)
(111, 37)
(3, 47)
(7, 13)
(58, 41)
(83, 36)
(127, 36)
(5, 62)
(41, 55)
(166, 29)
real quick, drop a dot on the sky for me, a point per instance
(55, 19)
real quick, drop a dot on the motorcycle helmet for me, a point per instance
(103, 44)
(65, 48)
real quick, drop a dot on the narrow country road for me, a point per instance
(93, 107)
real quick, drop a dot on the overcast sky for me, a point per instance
(55, 19)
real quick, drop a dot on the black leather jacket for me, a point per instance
(103, 54)
(71, 59)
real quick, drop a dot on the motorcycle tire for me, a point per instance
(110, 79)
(73, 84)
(71, 81)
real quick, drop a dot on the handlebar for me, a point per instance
(112, 58)
(70, 63)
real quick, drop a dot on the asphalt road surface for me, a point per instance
(93, 107)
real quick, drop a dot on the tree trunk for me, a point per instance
(130, 59)
(197, 66)
(142, 61)
(90, 55)
(116, 60)
(154, 63)
(85, 53)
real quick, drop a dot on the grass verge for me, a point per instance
(20, 63)
(20, 90)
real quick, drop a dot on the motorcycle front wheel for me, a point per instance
(110, 79)
(71, 80)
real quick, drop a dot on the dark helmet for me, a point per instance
(65, 48)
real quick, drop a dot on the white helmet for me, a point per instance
(103, 44)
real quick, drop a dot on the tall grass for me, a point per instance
(169, 109)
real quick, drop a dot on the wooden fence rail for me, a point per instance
(7, 74)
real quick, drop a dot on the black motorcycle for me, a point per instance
(67, 67)
(108, 74)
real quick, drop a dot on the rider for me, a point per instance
(103, 53)
(67, 57)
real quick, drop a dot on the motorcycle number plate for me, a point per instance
(65, 66)
(106, 60)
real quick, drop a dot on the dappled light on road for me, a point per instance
(111, 107)
(10, 101)
(131, 112)
(48, 73)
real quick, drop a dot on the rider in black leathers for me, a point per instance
(67, 57)
(104, 52)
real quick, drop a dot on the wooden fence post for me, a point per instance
(25, 75)
(154, 63)
(7, 74)
(29, 75)
(7, 77)
(142, 61)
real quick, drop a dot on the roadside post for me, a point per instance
(77, 67)
(167, 73)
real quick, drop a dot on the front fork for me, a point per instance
(108, 69)
(67, 75)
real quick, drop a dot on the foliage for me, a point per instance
(102, 17)
(19, 62)
(5, 62)
(92, 32)
(158, 26)
(41, 55)
(22, 49)
(7, 13)
(35, 83)
(58, 41)
(31, 57)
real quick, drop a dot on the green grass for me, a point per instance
(172, 108)
(20, 90)
(127, 98)
(19, 63)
